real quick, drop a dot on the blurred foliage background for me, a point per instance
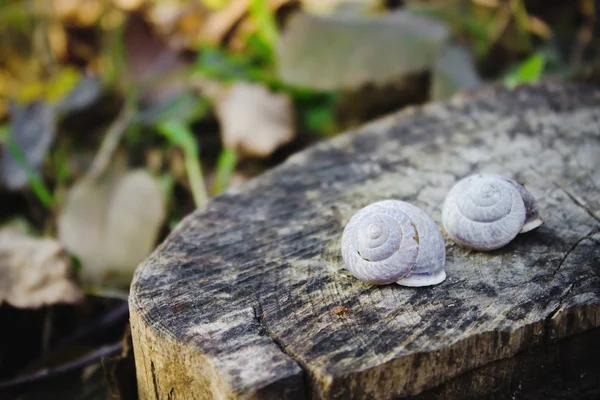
(120, 117)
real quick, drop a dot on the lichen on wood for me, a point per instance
(240, 301)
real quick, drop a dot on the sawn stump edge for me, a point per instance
(243, 299)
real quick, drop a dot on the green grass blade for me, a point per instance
(180, 135)
(266, 25)
(225, 168)
(528, 71)
(35, 181)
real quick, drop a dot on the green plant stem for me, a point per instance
(110, 142)
(265, 20)
(194, 173)
(225, 168)
(180, 135)
(266, 24)
(35, 181)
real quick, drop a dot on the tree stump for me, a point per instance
(248, 297)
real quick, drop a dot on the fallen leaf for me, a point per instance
(34, 272)
(207, 22)
(111, 224)
(148, 55)
(87, 91)
(149, 58)
(180, 22)
(358, 50)
(135, 213)
(129, 5)
(32, 131)
(241, 20)
(453, 71)
(237, 180)
(254, 121)
(57, 38)
(33, 120)
(220, 22)
(77, 12)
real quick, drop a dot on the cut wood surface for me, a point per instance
(248, 297)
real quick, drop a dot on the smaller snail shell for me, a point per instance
(486, 211)
(393, 241)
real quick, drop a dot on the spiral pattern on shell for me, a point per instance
(483, 212)
(393, 241)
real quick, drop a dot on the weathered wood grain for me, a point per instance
(241, 301)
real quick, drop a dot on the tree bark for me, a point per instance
(248, 297)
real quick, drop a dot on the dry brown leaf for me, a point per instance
(148, 55)
(254, 122)
(178, 22)
(78, 12)
(129, 5)
(111, 225)
(234, 31)
(57, 36)
(219, 23)
(34, 272)
(193, 24)
(237, 180)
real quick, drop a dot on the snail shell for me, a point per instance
(393, 241)
(486, 211)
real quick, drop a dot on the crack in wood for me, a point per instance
(577, 200)
(264, 330)
(154, 380)
(589, 236)
(561, 302)
(554, 313)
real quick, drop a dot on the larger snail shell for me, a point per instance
(486, 211)
(393, 241)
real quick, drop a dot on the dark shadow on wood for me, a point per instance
(568, 369)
